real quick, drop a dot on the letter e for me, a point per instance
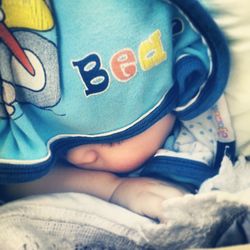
(123, 65)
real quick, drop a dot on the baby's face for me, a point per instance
(122, 156)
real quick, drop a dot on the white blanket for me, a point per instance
(78, 221)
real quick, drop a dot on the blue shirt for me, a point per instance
(102, 72)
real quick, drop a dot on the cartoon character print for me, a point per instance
(29, 64)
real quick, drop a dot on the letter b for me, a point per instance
(95, 78)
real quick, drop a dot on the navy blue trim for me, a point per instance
(225, 148)
(147, 122)
(178, 170)
(22, 173)
(190, 73)
(217, 43)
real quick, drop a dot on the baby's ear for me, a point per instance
(226, 166)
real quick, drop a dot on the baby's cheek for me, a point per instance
(127, 163)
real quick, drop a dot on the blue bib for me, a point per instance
(100, 71)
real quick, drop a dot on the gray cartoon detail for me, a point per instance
(18, 86)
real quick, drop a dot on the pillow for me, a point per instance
(233, 17)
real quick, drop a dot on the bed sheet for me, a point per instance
(78, 221)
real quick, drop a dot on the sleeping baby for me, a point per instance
(116, 99)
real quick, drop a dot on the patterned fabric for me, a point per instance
(195, 150)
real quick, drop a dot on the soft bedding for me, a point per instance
(78, 221)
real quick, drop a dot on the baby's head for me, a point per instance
(126, 85)
(122, 156)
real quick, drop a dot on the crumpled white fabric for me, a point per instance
(78, 221)
(231, 178)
